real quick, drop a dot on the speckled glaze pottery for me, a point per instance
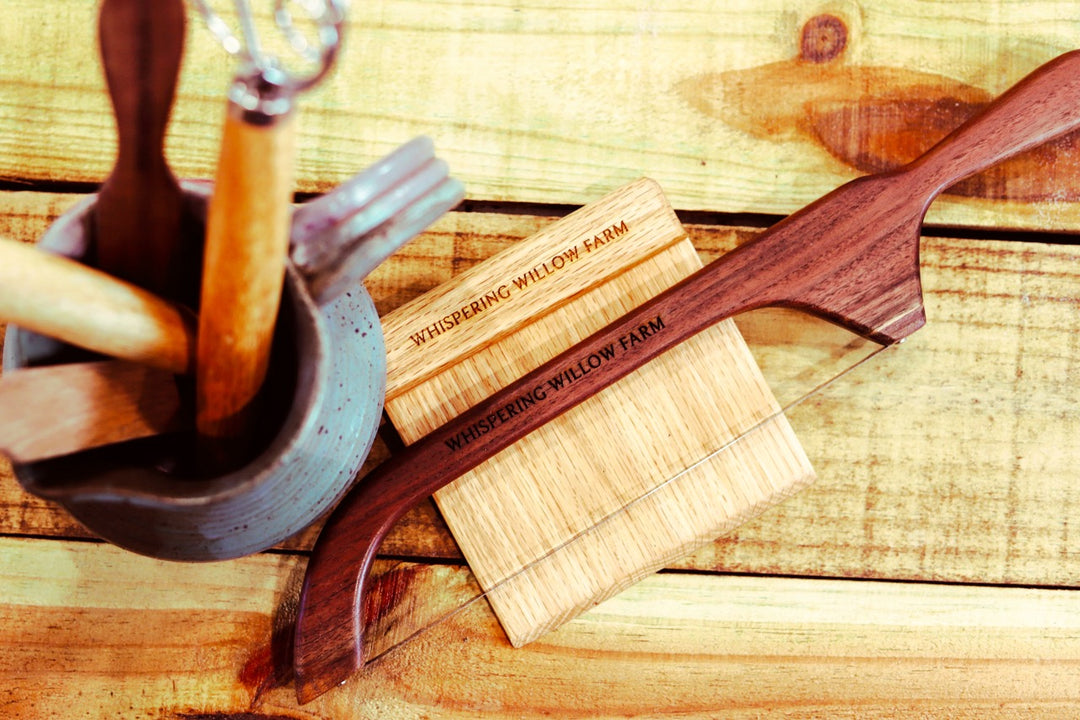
(325, 396)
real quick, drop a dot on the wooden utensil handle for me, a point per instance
(138, 234)
(149, 40)
(69, 301)
(247, 239)
(1041, 106)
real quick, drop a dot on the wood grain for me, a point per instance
(247, 241)
(62, 409)
(64, 299)
(850, 257)
(139, 216)
(90, 627)
(536, 522)
(524, 111)
(906, 489)
(703, 646)
(872, 118)
(952, 461)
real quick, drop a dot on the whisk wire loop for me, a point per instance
(264, 81)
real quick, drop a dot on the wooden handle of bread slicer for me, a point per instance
(850, 257)
(247, 238)
(66, 300)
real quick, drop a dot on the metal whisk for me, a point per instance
(263, 84)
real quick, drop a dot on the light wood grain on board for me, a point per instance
(951, 457)
(722, 102)
(629, 230)
(92, 631)
(663, 461)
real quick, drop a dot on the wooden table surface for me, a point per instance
(931, 571)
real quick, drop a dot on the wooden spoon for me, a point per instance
(851, 257)
(140, 208)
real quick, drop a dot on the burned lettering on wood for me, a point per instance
(524, 281)
(567, 375)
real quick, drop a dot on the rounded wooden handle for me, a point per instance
(69, 301)
(62, 409)
(138, 233)
(247, 239)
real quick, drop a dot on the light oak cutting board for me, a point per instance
(633, 478)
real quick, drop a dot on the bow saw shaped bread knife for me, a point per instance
(851, 257)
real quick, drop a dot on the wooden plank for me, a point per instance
(582, 507)
(981, 406)
(950, 457)
(731, 106)
(91, 631)
(698, 646)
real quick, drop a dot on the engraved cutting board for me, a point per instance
(630, 480)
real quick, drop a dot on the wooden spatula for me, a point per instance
(851, 257)
(68, 408)
(139, 211)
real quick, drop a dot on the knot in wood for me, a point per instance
(824, 38)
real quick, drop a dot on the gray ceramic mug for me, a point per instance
(328, 416)
(325, 393)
